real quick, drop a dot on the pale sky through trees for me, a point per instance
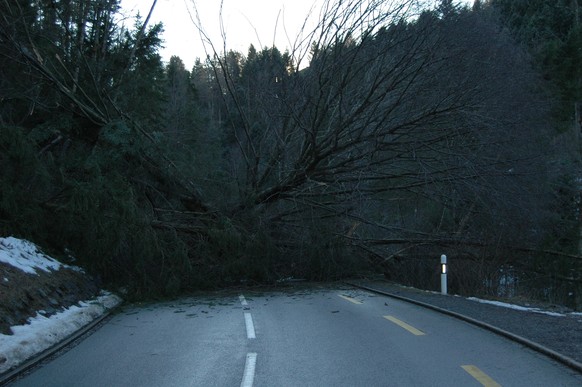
(241, 19)
(258, 22)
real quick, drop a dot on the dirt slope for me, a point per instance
(22, 295)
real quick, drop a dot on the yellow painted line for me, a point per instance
(404, 325)
(350, 299)
(481, 376)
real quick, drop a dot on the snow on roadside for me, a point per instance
(43, 332)
(516, 307)
(40, 332)
(26, 256)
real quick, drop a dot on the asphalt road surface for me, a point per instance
(311, 337)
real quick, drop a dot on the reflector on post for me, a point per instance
(443, 274)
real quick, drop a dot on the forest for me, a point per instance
(391, 133)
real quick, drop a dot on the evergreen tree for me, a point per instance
(446, 9)
(80, 135)
(551, 30)
(180, 111)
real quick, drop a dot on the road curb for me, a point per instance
(568, 361)
(9, 376)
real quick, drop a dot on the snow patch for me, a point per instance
(26, 256)
(516, 307)
(43, 332)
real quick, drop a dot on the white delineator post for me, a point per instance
(443, 274)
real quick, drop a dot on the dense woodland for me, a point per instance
(388, 135)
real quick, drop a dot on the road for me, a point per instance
(311, 337)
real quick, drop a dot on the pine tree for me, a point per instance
(446, 9)
(551, 30)
(181, 111)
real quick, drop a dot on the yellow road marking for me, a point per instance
(481, 376)
(404, 325)
(350, 299)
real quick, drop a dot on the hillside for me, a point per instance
(42, 301)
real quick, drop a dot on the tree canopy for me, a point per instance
(411, 131)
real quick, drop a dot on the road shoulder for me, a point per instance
(556, 335)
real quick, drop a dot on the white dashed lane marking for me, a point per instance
(249, 373)
(251, 361)
(250, 326)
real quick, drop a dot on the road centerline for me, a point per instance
(250, 326)
(408, 327)
(350, 299)
(249, 372)
(480, 376)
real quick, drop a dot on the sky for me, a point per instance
(257, 22)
